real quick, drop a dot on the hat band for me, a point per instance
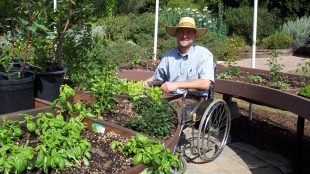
(186, 24)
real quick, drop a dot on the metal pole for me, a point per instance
(155, 30)
(55, 5)
(253, 48)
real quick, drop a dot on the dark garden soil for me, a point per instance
(268, 80)
(103, 159)
(272, 131)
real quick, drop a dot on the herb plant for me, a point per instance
(155, 118)
(274, 65)
(305, 91)
(280, 85)
(149, 152)
(256, 79)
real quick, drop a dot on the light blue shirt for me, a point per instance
(197, 64)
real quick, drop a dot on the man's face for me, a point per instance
(185, 37)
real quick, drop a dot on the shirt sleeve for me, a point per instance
(207, 68)
(161, 70)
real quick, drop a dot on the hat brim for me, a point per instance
(171, 30)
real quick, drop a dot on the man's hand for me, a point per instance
(169, 87)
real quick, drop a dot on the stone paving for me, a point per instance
(240, 158)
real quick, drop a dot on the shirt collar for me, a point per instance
(187, 55)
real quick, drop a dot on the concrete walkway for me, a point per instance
(240, 158)
(291, 63)
(236, 158)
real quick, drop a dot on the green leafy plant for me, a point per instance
(256, 79)
(280, 85)
(277, 40)
(305, 91)
(155, 118)
(274, 65)
(49, 44)
(234, 70)
(149, 152)
(223, 75)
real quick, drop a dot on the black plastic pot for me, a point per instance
(47, 84)
(16, 95)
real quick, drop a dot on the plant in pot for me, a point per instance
(16, 81)
(49, 45)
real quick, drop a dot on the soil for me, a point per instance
(295, 82)
(272, 131)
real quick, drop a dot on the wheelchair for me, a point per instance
(206, 124)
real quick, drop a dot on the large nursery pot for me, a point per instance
(47, 84)
(16, 95)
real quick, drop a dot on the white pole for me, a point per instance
(254, 33)
(55, 5)
(156, 30)
(253, 48)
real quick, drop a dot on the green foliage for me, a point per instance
(305, 91)
(214, 43)
(202, 18)
(136, 90)
(234, 71)
(274, 65)
(305, 68)
(280, 85)
(277, 40)
(116, 27)
(181, 4)
(123, 52)
(256, 79)
(149, 152)
(155, 118)
(298, 29)
(240, 21)
(232, 48)
(223, 75)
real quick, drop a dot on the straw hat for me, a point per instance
(186, 22)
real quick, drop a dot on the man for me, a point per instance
(187, 66)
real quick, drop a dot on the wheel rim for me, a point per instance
(213, 130)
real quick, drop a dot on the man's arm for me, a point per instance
(198, 84)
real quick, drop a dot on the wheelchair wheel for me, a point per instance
(213, 130)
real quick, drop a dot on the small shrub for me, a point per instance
(224, 75)
(280, 85)
(155, 118)
(274, 65)
(233, 46)
(234, 71)
(299, 30)
(256, 79)
(123, 52)
(305, 91)
(278, 40)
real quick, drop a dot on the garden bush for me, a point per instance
(123, 52)
(115, 27)
(240, 21)
(277, 40)
(299, 30)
